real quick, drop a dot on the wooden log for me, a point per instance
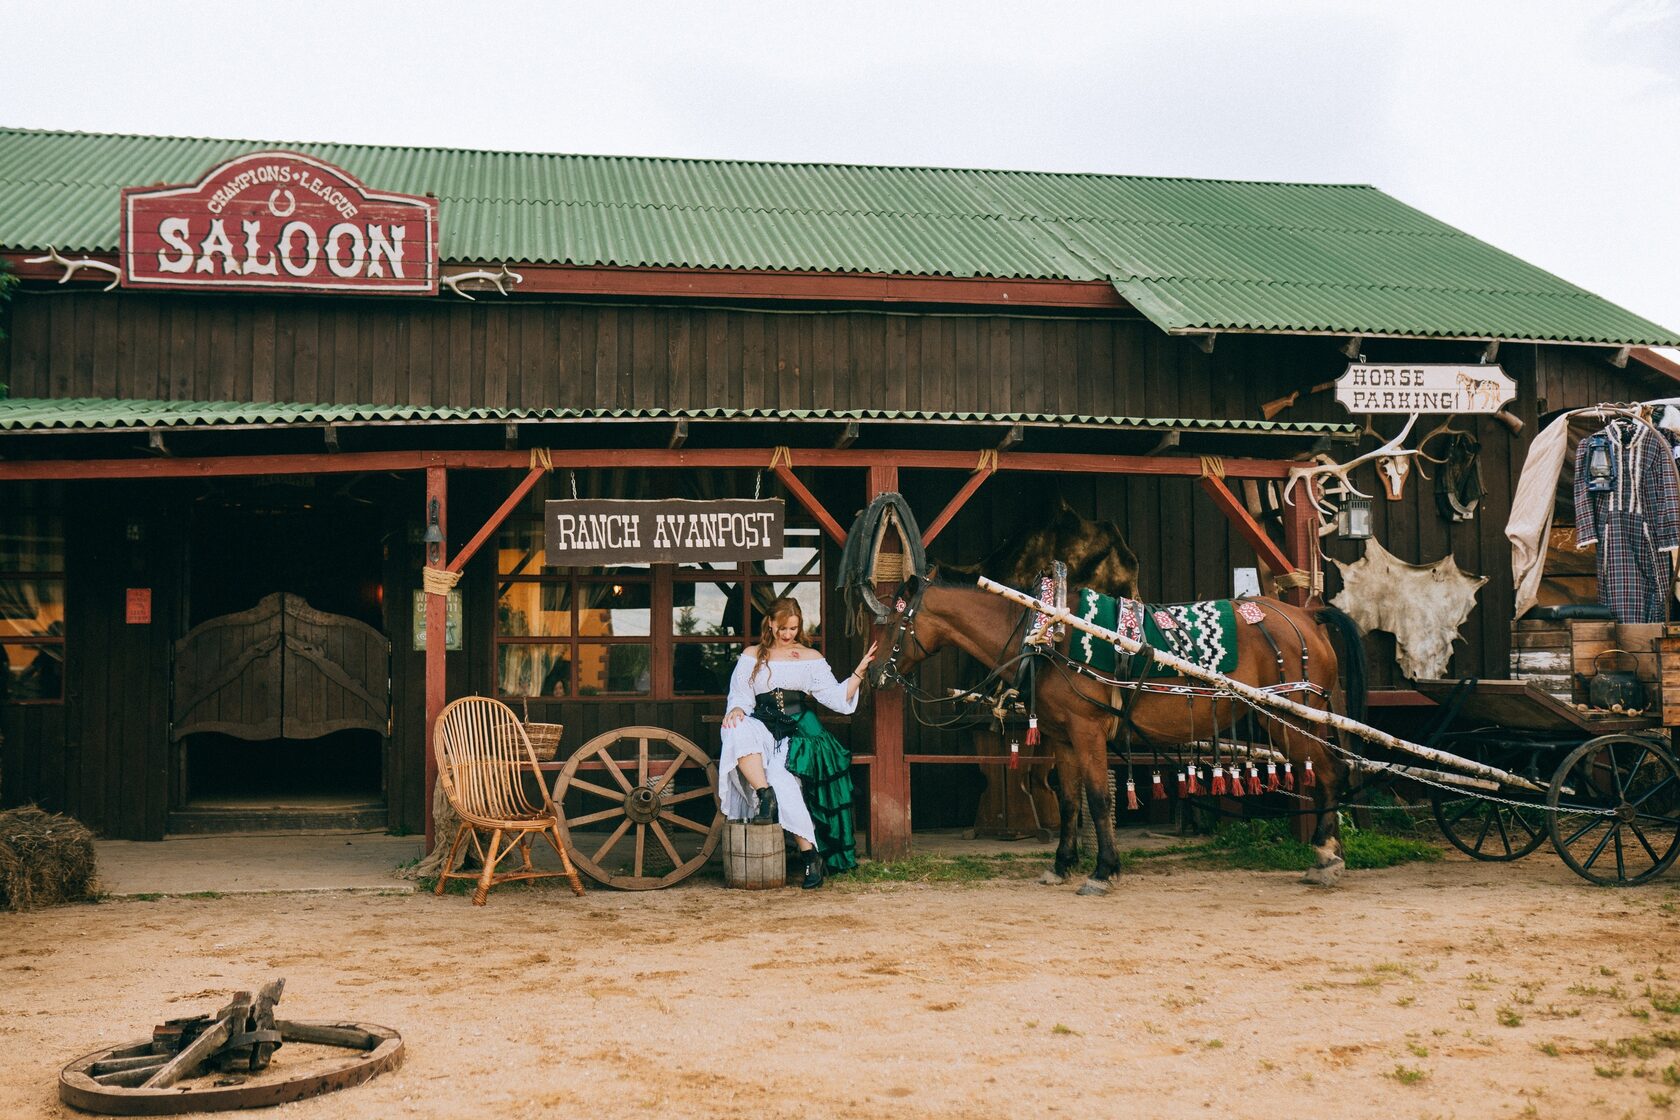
(186, 1063)
(117, 1065)
(130, 1078)
(327, 1034)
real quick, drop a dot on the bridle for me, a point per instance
(904, 632)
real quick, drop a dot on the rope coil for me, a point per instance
(782, 457)
(988, 461)
(1212, 466)
(541, 458)
(439, 581)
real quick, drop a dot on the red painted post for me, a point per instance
(889, 777)
(437, 618)
(1300, 540)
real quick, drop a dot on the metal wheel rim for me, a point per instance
(1489, 830)
(640, 812)
(1634, 774)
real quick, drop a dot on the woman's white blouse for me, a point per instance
(807, 674)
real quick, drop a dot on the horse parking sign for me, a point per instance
(1424, 388)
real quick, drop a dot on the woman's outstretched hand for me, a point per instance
(863, 666)
(734, 716)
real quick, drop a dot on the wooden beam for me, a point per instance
(496, 519)
(355, 462)
(812, 506)
(1168, 442)
(329, 433)
(847, 436)
(679, 434)
(889, 777)
(1204, 342)
(1350, 348)
(155, 444)
(1014, 437)
(437, 615)
(1300, 541)
(1490, 352)
(1619, 358)
(1248, 528)
(975, 481)
(510, 435)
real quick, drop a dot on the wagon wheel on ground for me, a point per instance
(1488, 830)
(1614, 809)
(634, 783)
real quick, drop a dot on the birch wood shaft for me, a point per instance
(1264, 699)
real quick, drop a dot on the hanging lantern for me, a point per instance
(1353, 523)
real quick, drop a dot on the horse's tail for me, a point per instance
(1352, 657)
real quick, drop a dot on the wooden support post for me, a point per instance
(1248, 528)
(812, 506)
(437, 615)
(1300, 539)
(471, 547)
(889, 776)
(952, 507)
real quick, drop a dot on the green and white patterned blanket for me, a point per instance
(1203, 633)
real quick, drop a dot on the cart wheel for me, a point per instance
(1614, 809)
(662, 763)
(1488, 830)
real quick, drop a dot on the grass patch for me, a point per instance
(1407, 1075)
(1270, 845)
(935, 869)
(1508, 1017)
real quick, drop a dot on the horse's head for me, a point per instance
(910, 638)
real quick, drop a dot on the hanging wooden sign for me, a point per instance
(279, 221)
(592, 531)
(1424, 388)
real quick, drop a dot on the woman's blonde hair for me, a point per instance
(774, 613)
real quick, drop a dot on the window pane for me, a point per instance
(32, 541)
(800, 554)
(706, 608)
(615, 608)
(534, 610)
(703, 668)
(533, 670)
(616, 668)
(31, 608)
(31, 672)
(519, 549)
(809, 596)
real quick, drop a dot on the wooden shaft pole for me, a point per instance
(889, 777)
(437, 618)
(1260, 697)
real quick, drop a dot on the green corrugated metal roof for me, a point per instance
(1190, 254)
(94, 414)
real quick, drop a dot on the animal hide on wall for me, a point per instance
(1421, 605)
(1095, 552)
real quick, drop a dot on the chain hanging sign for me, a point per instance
(1424, 388)
(589, 532)
(279, 221)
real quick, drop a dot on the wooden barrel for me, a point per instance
(753, 856)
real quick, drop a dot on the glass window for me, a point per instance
(31, 607)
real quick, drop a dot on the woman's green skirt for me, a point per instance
(823, 766)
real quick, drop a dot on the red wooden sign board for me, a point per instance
(279, 221)
(139, 605)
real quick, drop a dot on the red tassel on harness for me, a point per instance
(1218, 786)
(1157, 791)
(1131, 795)
(1254, 786)
(1032, 731)
(1195, 785)
(1308, 778)
(1271, 777)
(1014, 754)
(1236, 782)
(1183, 783)
(1288, 776)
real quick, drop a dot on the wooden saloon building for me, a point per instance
(255, 389)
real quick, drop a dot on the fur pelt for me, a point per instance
(1095, 552)
(1422, 605)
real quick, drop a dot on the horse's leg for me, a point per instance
(1067, 803)
(1327, 835)
(1091, 748)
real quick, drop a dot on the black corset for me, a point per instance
(780, 709)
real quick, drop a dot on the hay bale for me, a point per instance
(45, 858)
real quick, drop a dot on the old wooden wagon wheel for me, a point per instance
(1615, 809)
(631, 783)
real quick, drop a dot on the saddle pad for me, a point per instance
(1202, 633)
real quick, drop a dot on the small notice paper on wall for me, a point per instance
(139, 605)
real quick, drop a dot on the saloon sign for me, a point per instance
(279, 221)
(589, 532)
(1424, 388)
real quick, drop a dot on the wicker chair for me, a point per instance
(484, 761)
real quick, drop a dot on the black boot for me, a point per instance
(766, 811)
(814, 868)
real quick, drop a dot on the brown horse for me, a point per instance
(1077, 716)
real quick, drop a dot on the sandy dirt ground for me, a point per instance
(1446, 990)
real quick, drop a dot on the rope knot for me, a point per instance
(781, 457)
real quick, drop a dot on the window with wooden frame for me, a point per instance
(660, 632)
(31, 606)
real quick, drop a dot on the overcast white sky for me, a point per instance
(1549, 127)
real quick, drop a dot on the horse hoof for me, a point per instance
(1051, 879)
(1325, 876)
(1093, 887)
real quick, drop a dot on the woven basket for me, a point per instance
(545, 737)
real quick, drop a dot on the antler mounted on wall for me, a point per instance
(1336, 475)
(70, 267)
(494, 279)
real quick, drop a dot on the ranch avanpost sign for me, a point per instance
(279, 221)
(589, 532)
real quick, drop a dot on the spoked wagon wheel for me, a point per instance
(1614, 809)
(1488, 830)
(632, 783)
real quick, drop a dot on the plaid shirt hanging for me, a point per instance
(1635, 523)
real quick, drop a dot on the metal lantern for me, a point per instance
(1353, 523)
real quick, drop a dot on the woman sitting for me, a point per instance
(776, 755)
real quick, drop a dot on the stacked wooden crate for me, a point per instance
(1561, 655)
